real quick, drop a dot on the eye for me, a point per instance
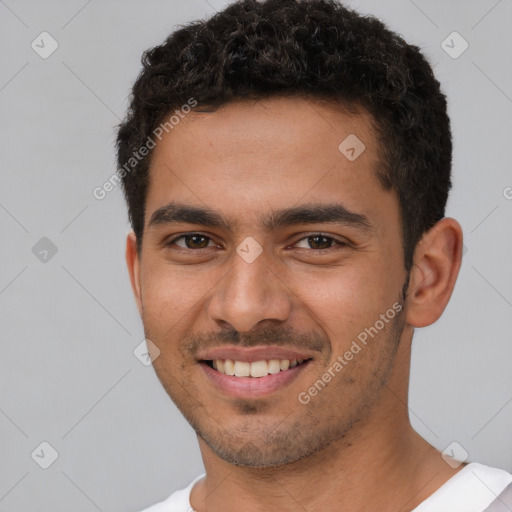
(196, 241)
(318, 242)
(192, 241)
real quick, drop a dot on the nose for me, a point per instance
(250, 293)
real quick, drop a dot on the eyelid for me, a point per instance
(172, 241)
(340, 242)
(337, 241)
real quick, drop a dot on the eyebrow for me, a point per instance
(335, 213)
(175, 213)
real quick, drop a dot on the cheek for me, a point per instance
(347, 300)
(157, 297)
(165, 286)
(172, 297)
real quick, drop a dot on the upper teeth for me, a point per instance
(255, 369)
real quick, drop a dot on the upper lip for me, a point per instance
(252, 354)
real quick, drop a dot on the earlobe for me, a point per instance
(133, 264)
(437, 260)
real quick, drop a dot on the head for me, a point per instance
(286, 166)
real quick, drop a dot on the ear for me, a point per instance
(132, 261)
(436, 264)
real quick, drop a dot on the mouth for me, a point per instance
(251, 380)
(256, 369)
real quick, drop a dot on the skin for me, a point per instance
(244, 162)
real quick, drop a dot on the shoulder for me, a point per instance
(473, 489)
(178, 501)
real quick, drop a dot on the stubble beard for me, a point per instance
(307, 429)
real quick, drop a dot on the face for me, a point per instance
(265, 244)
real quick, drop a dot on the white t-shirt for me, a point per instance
(475, 488)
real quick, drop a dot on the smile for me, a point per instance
(250, 380)
(256, 369)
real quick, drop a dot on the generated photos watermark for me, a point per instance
(304, 397)
(138, 155)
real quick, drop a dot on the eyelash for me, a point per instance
(335, 242)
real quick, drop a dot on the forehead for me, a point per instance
(287, 127)
(252, 156)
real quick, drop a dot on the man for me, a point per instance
(286, 166)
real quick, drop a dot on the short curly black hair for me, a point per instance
(308, 48)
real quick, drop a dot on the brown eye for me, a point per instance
(318, 242)
(192, 241)
(196, 241)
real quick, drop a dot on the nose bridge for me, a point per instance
(248, 294)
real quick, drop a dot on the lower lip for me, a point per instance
(252, 387)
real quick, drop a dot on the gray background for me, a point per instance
(68, 374)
